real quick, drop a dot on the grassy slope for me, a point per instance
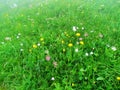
(25, 70)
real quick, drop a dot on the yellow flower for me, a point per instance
(70, 44)
(34, 46)
(41, 39)
(77, 34)
(81, 42)
(118, 78)
(62, 41)
(73, 84)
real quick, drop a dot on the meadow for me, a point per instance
(60, 45)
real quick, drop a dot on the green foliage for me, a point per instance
(59, 45)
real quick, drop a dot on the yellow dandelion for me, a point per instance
(70, 45)
(41, 39)
(118, 78)
(81, 42)
(77, 34)
(34, 46)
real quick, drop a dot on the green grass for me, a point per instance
(92, 65)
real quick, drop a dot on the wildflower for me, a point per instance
(34, 46)
(47, 58)
(118, 78)
(8, 38)
(70, 45)
(64, 50)
(52, 78)
(100, 35)
(46, 52)
(21, 49)
(38, 44)
(55, 64)
(86, 54)
(77, 34)
(17, 37)
(86, 34)
(83, 28)
(113, 48)
(62, 41)
(91, 53)
(80, 39)
(77, 42)
(76, 50)
(74, 28)
(73, 85)
(81, 42)
(41, 39)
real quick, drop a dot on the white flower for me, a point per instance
(38, 44)
(8, 38)
(91, 53)
(113, 48)
(86, 54)
(17, 37)
(52, 78)
(83, 28)
(21, 49)
(77, 42)
(75, 28)
(80, 38)
(46, 52)
(76, 50)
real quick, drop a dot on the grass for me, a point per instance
(60, 45)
